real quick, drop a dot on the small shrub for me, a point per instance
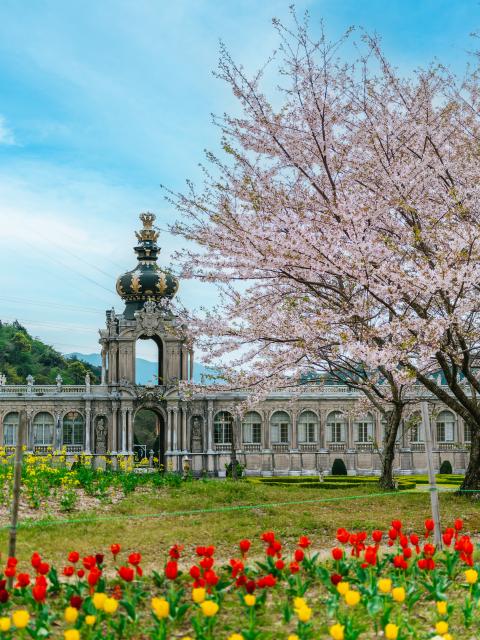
(339, 468)
(240, 469)
(446, 467)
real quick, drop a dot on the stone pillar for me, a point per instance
(2, 416)
(168, 444)
(349, 432)
(184, 429)
(113, 363)
(57, 432)
(129, 431)
(175, 428)
(114, 440)
(294, 439)
(104, 366)
(210, 427)
(88, 429)
(190, 375)
(124, 431)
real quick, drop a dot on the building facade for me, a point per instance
(286, 434)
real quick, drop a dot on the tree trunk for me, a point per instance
(386, 480)
(471, 482)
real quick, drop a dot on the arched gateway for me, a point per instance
(283, 434)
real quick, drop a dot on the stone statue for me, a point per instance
(3, 379)
(101, 436)
(59, 380)
(196, 435)
(30, 380)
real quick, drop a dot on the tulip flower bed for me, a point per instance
(390, 584)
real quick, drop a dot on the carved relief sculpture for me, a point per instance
(101, 436)
(196, 435)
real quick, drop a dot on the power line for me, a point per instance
(50, 304)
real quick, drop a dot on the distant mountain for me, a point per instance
(22, 355)
(146, 369)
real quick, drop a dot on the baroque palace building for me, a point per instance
(286, 434)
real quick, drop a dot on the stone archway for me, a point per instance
(149, 434)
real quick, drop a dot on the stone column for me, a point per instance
(349, 434)
(113, 363)
(88, 428)
(184, 429)
(57, 432)
(191, 364)
(124, 431)
(130, 432)
(104, 366)
(210, 427)
(175, 428)
(2, 440)
(168, 444)
(114, 430)
(294, 438)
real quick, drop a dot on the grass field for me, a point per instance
(127, 522)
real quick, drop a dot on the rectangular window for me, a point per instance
(337, 432)
(363, 435)
(9, 435)
(306, 432)
(280, 433)
(42, 434)
(467, 432)
(252, 433)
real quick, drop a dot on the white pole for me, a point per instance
(431, 475)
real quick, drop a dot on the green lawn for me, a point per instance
(127, 521)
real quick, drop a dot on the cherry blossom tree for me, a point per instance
(341, 222)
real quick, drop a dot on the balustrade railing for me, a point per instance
(308, 447)
(336, 446)
(281, 448)
(250, 447)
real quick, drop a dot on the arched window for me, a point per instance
(280, 427)
(467, 430)
(307, 427)
(10, 429)
(252, 428)
(73, 428)
(364, 429)
(336, 426)
(222, 428)
(445, 426)
(43, 426)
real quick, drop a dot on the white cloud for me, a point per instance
(6, 134)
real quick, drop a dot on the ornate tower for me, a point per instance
(147, 291)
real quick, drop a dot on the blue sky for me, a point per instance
(103, 101)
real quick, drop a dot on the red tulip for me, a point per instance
(337, 553)
(76, 602)
(135, 558)
(39, 592)
(377, 536)
(299, 555)
(35, 560)
(429, 524)
(195, 572)
(23, 580)
(244, 546)
(43, 568)
(458, 524)
(73, 556)
(294, 567)
(397, 524)
(250, 586)
(171, 570)
(115, 549)
(126, 573)
(304, 542)
(268, 537)
(4, 596)
(335, 578)
(68, 571)
(280, 564)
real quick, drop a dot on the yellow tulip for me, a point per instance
(161, 607)
(71, 634)
(442, 607)
(342, 588)
(471, 576)
(385, 585)
(90, 620)
(249, 599)
(304, 614)
(298, 603)
(337, 631)
(398, 594)
(441, 627)
(70, 615)
(199, 594)
(5, 623)
(293, 636)
(391, 631)
(20, 618)
(352, 598)
(234, 636)
(447, 636)
(110, 605)
(99, 600)
(209, 608)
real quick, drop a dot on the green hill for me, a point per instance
(22, 355)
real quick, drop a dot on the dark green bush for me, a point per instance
(446, 467)
(339, 468)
